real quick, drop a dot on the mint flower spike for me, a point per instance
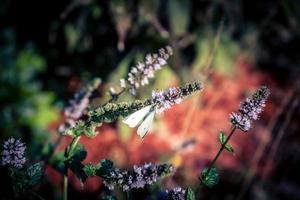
(142, 72)
(78, 105)
(250, 109)
(13, 153)
(139, 177)
(163, 100)
(80, 101)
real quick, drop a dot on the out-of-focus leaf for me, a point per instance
(225, 55)
(19, 183)
(77, 168)
(148, 10)
(189, 194)
(57, 161)
(79, 153)
(72, 36)
(96, 11)
(34, 173)
(202, 47)
(104, 167)
(179, 16)
(210, 177)
(43, 112)
(30, 61)
(89, 170)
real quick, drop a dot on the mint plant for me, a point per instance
(82, 120)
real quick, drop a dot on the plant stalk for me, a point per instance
(233, 128)
(68, 155)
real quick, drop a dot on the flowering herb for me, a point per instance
(142, 72)
(163, 100)
(160, 102)
(139, 177)
(78, 105)
(13, 153)
(250, 109)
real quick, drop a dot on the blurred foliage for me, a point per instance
(26, 110)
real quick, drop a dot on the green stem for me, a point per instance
(72, 146)
(68, 155)
(233, 128)
(66, 184)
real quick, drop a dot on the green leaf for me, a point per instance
(79, 153)
(19, 183)
(222, 137)
(34, 173)
(104, 167)
(229, 148)
(89, 170)
(57, 161)
(81, 127)
(77, 168)
(189, 194)
(210, 177)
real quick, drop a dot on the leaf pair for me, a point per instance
(228, 147)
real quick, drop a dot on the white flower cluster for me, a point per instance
(142, 72)
(13, 153)
(250, 109)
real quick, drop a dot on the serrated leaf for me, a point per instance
(89, 170)
(222, 137)
(229, 148)
(189, 194)
(104, 167)
(34, 173)
(210, 177)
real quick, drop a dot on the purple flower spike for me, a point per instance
(13, 153)
(250, 109)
